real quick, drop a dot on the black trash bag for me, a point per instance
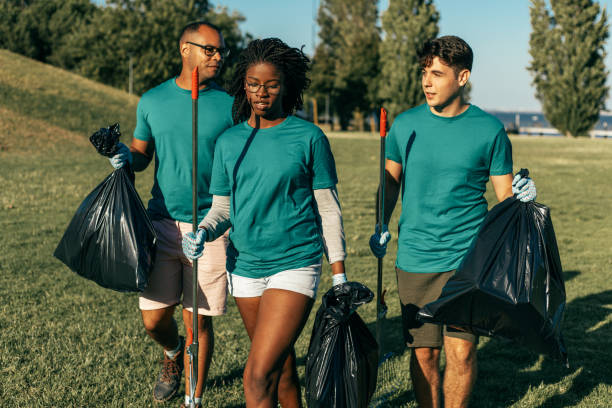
(106, 139)
(110, 239)
(342, 361)
(510, 284)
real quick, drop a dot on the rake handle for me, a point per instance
(381, 209)
(193, 347)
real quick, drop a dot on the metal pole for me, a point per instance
(193, 347)
(331, 125)
(131, 78)
(314, 26)
(381, 309)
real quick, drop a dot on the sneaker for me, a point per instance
(170, 376)
(183, 405)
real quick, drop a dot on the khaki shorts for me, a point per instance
(415, 291)
(172, 272)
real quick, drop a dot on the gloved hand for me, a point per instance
(193, 243)
(378, 241)
(524, 188)
(123, 155)
(338, 279)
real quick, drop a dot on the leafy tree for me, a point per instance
(345, 64)
(567, 50)
(234, 39)
(99, 42)
(37, 28)
(144, 30)
(407, 24)
(147, 32)
(9, 12)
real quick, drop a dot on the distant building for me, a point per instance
(535, 124)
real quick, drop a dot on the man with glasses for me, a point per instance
(164, 129)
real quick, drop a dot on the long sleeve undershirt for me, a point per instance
(328, 207)
(217, 221)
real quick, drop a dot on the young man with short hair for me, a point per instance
(164, 129)
(441, 155)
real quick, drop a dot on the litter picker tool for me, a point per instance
(381, 307)
(192, 335)
(387, 378)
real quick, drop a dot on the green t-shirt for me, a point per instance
(446, 163)
(270, 175)
(164, 117)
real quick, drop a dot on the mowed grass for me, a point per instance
(66, 342)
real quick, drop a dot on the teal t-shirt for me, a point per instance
(270, 175)
(446, 163)
(164, 117)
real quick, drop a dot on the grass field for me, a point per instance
(65, 342)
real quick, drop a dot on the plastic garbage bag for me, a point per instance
(106, 139)
(110, 239)
(510, 283)
(342, 361)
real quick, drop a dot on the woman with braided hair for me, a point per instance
(274, 179)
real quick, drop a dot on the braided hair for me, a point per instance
(293, 64)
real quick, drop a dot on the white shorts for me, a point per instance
(301, 280)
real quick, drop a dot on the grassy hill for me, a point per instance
(65, 342)
(35, 91)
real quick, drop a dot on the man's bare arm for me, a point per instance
(142, 153)
(502, 186)
(393, 175)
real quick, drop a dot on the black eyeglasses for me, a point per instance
(210, 51)
(253, 87)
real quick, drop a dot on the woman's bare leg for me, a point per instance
(273, 321)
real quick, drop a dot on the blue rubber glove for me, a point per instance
(123, 155)
(338, 279)
(524, 188)
(378, 241)
(193, 244)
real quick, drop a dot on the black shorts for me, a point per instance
(415, 291)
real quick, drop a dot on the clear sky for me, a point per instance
(497, 30)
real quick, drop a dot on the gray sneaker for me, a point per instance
(170, 376)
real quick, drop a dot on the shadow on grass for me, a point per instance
(569, 275)
(393, 342)
(507, 371)
(225, 379)
(392, 334)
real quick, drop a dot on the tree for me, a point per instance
(37, 28)
(406, 24)
(567, 50)
(234, 39)
(345, 64)
(145, 32)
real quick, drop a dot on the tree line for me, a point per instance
(358, 65)
(100, 42)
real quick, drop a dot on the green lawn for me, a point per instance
(66, 342)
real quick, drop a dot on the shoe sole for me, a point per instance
(177, 388)
(167, 398)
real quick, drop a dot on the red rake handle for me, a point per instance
(192, 332)
(383, 122)
(381, 308)
(189, 337)
(195, 83)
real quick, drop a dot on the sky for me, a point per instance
(497, 30)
